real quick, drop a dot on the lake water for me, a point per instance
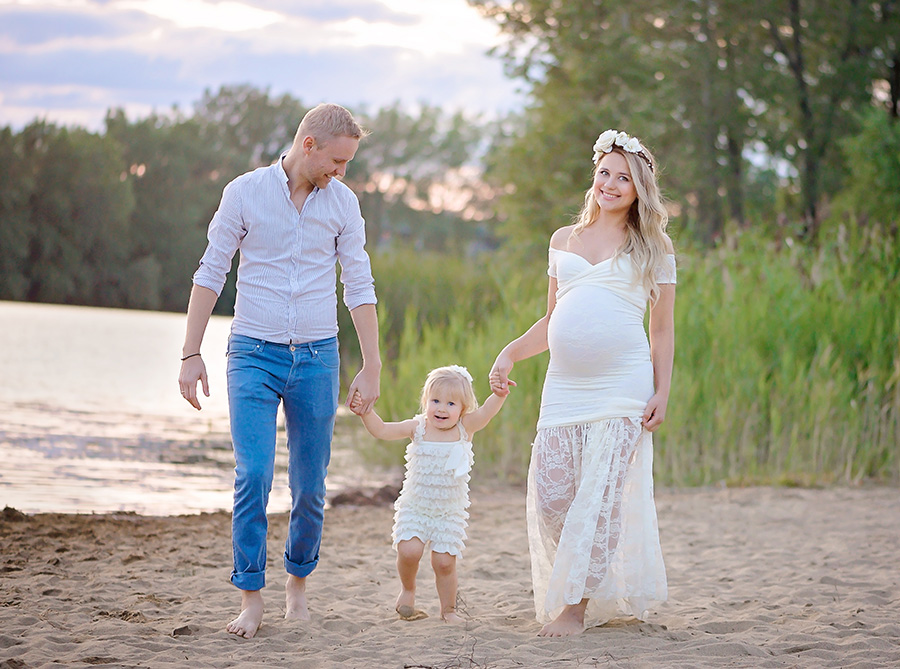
(91, 419)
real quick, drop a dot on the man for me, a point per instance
(292, 222)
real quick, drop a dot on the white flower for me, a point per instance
(462, 371)
(622, 138)
(633, 145)
(605, 141)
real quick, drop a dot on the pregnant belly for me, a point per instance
(594, 334)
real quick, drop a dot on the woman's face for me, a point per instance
(613, 187)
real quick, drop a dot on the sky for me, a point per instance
(69, 61)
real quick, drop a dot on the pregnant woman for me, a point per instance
(592, 525)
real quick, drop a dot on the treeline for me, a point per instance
(759, 112)
(119, 218)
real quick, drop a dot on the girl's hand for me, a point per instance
(499, 377)
(356, 403)
(655, 413)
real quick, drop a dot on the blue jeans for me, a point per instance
(304, 378)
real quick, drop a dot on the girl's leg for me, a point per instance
(409, 553)
(445, 579)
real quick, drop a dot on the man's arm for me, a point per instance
(193, 369)
(368, 381)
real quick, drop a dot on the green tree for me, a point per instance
(246, 127)
(727, 93)
(871, 192)
(80, 211)
(176, 178)
(16, 229)
(418, 180)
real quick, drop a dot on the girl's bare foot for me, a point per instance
(406, 606)
(248, 622)
(453, 618)
(295, 599)
(568, 623)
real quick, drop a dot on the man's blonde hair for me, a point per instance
(326, 121)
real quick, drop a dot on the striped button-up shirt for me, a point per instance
(286, 285)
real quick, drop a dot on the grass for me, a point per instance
(787, 365)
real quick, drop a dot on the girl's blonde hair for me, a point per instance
(455, 381)
(645, 238)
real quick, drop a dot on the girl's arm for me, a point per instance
(388, 431)
(662, 354)
(479, 418)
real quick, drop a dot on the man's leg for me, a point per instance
(253, 399)
(310, 403)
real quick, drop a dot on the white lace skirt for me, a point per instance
(592, 526)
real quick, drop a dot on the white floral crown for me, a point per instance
(611, 138)
(462, 371)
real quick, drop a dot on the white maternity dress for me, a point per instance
(592, 525)
(435, 495)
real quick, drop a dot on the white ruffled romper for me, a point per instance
(592, 525)
(435, 495)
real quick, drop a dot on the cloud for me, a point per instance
(70, 61)
(229, 16)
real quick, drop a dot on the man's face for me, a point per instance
(329, 160)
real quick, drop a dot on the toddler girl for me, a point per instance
(432, 505)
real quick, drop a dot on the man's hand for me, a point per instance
(364, 391)
(192, 370)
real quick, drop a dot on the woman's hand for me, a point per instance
(655, 412)
(499, 377)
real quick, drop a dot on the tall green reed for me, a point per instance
(787, 365)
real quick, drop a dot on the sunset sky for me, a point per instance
(68, 61)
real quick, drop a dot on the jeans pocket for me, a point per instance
(243, 345)
(328, 356)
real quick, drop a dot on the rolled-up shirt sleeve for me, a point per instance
(356, 268)
(226, 230)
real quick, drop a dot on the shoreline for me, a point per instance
(758, 577)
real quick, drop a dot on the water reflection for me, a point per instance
(92, 420)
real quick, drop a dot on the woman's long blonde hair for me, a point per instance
(645, 238)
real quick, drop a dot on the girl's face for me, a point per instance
(613, 187)
(443, 410)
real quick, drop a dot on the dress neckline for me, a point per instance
(578, 255)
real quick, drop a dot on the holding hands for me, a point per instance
(499, 377)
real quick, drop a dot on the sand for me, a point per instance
(758, 577)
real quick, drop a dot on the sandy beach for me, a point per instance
(758, 577)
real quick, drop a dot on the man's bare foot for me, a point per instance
(248, 622)
(568, 623)
(295, 599)
(453, 618)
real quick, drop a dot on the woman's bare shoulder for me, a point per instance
(560, 238)
(667, 241)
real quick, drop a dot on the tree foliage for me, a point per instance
(732, 96)
(119, 218)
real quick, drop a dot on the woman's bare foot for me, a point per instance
(295, 599)
(452, 617)
(568, 623)
(248, 622)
